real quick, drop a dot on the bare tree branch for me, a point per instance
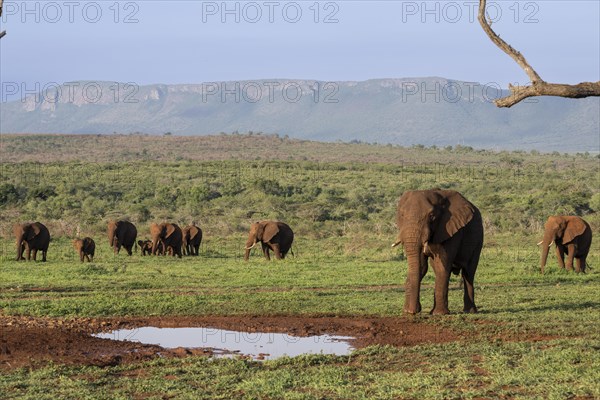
(3, 32)
(538, 86)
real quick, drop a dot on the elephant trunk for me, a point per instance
(249, 246)
(19, 244)
(155, 245)
(111, 238)
(416, 261)
(546, 243)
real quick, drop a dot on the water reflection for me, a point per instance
(259, 345)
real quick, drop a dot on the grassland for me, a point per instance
(536, 336)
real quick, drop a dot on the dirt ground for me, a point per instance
(33, 342)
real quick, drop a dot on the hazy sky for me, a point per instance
(202, 41)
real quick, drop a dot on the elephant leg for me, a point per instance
(129, 250)
(442, 280)
(570, 256)
(560, 255)
(34, 254)
(424, 270)
(28, 252)
(277, 251)
(469, 292)
(265, 250)
(81, 256)
(580, 262)
(468, 279)
(44, 255)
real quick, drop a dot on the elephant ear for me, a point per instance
(270, 230)
(457, 212)
(169, 229)
(33, 231)
(399, 216)
(575, 227)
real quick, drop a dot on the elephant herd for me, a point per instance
(167, 238)
(441, 225)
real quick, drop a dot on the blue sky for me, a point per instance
(198, 41)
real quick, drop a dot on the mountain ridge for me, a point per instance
(405, 111)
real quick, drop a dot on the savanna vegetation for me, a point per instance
(536, 336)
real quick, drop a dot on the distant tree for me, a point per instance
(538, 86)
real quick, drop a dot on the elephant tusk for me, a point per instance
(397, 243)
(425, 247)
(251, 247)
(540, 242)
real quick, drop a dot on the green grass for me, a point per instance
(536, 336)
(556, 369)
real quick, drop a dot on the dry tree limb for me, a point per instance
(3, 32)
(538, 86)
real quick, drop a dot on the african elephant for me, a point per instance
(146, 247)
(272, 235)
(167, 234)
(31, 237)
(446, 227)
(572, 235)
(121, 233)
(86, 248)
(192, 237)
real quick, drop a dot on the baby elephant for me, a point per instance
(146, 247)
(86, 248)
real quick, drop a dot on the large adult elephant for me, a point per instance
(192, 237)
(443, 226)
(121, 234)
(572, 235)
(31, 237)
(167, 234)
(272, 235)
